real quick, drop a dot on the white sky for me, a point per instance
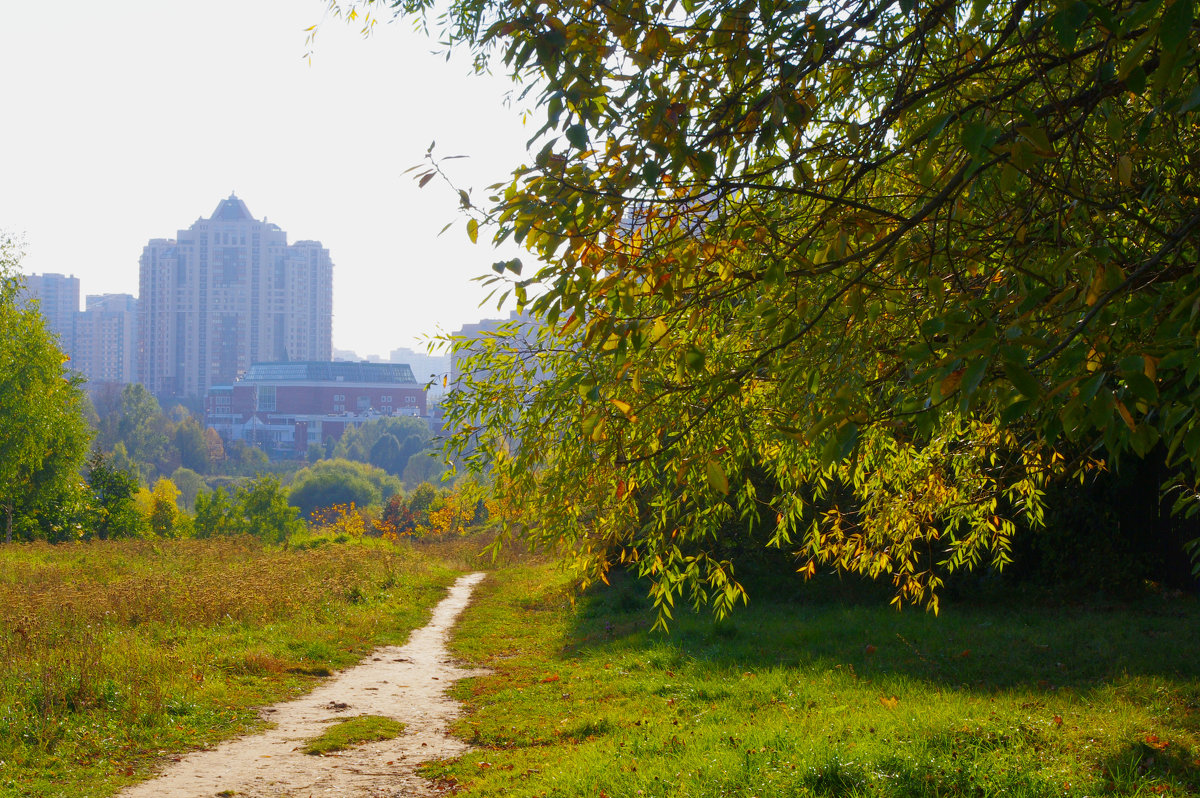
(128, 120)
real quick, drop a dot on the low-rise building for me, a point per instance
(284, 407)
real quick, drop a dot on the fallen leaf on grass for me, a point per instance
(1154, 742)
(890, 703)
(551, 678)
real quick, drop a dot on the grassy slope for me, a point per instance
(113, 654)
(824, 697)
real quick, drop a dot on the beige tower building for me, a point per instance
(106, 339)
(227, 292)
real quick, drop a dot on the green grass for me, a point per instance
(113, 654)
(813, 695)
(354, 731)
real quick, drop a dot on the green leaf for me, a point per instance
(1022, 380)
(717, 480)
(1176, 24)
(1014, 411)
(973, 375)
(840, 444)
(1142, 387)
(1143, 438)
(650, 173)
(577, 135)
(1191, 102)
(1068, 22)
(1132, 364)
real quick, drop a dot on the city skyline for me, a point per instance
(226, 293)
(130, 122)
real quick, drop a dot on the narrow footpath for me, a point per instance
(407, 683)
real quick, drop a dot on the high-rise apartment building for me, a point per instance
(106, 339)
(58, 300)
(227, 292)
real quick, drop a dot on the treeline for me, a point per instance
(115, 464)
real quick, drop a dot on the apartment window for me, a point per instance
(364, 402)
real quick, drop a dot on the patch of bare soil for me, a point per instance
(406, 682)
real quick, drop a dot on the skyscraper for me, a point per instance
(227, 292)
(106, 339)
(58, 301)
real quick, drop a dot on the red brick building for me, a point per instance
(283, 407)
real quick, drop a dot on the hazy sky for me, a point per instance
(129, 120)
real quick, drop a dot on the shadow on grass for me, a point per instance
(1151, 766)
(982, 646)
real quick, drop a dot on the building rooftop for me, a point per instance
(231, 209)
(336, 371)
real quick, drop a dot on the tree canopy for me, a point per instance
(328, 483)
(857, 276)
(43, 432)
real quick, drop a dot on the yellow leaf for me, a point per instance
(1097, 286)
(624, 407)
(889, 702)
(1126, 415)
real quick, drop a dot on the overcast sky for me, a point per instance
(129, 120)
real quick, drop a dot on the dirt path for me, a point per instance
(407, 683)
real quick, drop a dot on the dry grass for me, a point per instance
(113, 652)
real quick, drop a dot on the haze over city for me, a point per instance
(130, 122)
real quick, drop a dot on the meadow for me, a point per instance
(816, 690)
(115, 654)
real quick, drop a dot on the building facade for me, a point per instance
(284, 407)
(106, 339)
(58, 300)
(226, 293)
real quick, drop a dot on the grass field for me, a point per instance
(810, 693)
(114, 654)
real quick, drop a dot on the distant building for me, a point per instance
(521, 327)
(284, 407)
(226, 293)
(432, 370)
(106, 339)
(58, 301)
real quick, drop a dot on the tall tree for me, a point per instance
(113, 513)
(43, 433)
(387, 454)
(859, 274)
(262, 510)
